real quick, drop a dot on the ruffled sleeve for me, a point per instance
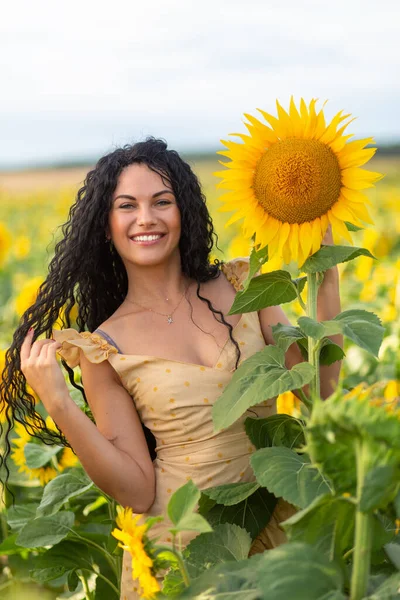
(95, 348)
(236, 272)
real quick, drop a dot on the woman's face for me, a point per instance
(144, 221)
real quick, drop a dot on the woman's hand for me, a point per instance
(42, 371)
(328, 238)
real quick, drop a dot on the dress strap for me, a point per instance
(109, 339)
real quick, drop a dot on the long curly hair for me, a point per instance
(83, 266)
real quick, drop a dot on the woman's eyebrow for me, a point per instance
(129, 197)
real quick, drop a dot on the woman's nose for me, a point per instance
(145, 216)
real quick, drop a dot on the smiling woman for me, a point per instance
(155, 343)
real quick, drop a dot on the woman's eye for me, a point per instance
(163, 202)
(127, 206)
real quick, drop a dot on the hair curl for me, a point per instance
(83, 266)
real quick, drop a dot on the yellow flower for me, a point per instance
(48, 471)
(45, 473)
(288, 404)
(131, 538)
(27, 295)
(291, 178)
(392, 390)
(22, 246)
(5, 243)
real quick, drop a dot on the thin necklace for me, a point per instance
(168, 315)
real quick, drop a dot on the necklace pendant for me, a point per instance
(169, 320)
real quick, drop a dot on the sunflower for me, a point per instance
(132, 537)
(66, 458)
(291, 178)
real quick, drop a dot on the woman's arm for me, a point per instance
(114, 453)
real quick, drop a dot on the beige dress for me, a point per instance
(174, 400)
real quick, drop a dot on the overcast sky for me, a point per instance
(78, 78)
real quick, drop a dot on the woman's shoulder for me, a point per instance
(236, 271)
(95, 346)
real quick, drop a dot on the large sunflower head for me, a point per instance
(293, 176)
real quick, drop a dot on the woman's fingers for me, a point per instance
(39, 348)
(26, 346)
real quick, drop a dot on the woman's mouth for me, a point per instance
(147, 240)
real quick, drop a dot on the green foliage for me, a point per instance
(265, 290)
(276, 430)
(329, 256)
(260, 377)
(61, 489)
(38, 455)
(180, 510)
(252, 512)
(288, 475)
(257, 259)
(46, 531)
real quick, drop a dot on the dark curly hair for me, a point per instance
(84, 265)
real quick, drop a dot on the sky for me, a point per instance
(79, 78)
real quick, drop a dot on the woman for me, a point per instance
(135, 260)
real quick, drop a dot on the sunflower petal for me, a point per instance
(339, 229)
(305, 235)
(359, 179)
(316, 235)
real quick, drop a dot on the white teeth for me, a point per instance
(147, 238)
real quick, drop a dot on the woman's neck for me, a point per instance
(151, 285)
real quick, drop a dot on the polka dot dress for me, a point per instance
(174, 400)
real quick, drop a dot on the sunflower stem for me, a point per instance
(363, 531)
(313, 347)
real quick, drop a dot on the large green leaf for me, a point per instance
(329, 256)
(286, 335)
(228, 581)
(231, 493)
(363, 328)
(46, 531)
(380, 483)
(227, 542)
(327, 524)
(289, 571)
(276, 430)
(318, 330)
(288, 475)
(298, 571)
(181, 509)
(61, 489)
(389, 590)
(9, 546)
(265, 290)
(38, 455)
(253, 513)
(17, 516)
(260, 377)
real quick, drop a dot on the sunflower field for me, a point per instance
(72, 554)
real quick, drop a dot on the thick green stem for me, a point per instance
(363, 532)
(313, 348)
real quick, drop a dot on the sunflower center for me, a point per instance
(297, 180)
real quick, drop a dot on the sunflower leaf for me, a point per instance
(275, 430)
(318, 330)
(351, 227)
(288, 475)
(38, 455)
(269, 289)
(253, 513)
(231, 493)
(46, 531)
(181, 509)
(61, 489)
(286, 335)
(260, 377)
(363, 328)
(257, 259)
(329, 256)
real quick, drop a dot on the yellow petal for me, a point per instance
(339, 229)
(268, 231)
(316, 235)
(305, 238)
(356, 159)
(355, 196)
(294, 241)
(361, 211)
(359, 179)
(340, 210)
